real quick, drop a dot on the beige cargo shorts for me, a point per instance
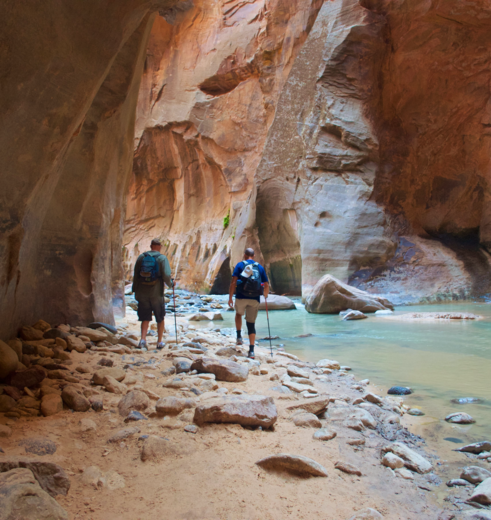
(247, 307)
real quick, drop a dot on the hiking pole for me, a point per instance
(269, 330)
(175, 317)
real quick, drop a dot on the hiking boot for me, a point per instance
(160, 345)
(142, 344)
(239, 341)
(251, 355)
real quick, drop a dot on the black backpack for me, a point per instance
(250, 287)
(149, 269)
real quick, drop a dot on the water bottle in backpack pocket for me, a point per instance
(149, 269)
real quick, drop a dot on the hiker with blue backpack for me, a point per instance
(152, 270)
(249, 283)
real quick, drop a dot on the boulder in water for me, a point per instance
(400, 390)
(354, 315)
(277, 303)
(331, 296)
(460, 418)
(467, 400)
(477, 447)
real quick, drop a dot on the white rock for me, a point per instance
(412, 460)
(328, 363)
(392, 461)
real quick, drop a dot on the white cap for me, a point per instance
(247, 271)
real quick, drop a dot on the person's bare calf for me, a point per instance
(160, 331)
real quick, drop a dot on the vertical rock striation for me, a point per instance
(212, 79)
(70, 77)
(363, 152)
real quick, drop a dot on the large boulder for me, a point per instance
(51, 477)
(22, 497)
(224, 370)
(246, 410)
(277, 303)
(8, 360)
(331, 296)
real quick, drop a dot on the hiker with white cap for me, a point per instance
(249, 282)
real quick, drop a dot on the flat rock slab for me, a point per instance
(294, 464)
(276, 303)
(473, 515)
(433, 316)
(476, 447)
(38, 446)
(482, 493)
(350, 469)
(367, 514)
(23, 498)
(412, 460)
(51, 477)
(124, 434)
(224, 370)
(156, 448)
(173, 405)
(246, 410)
(294, 371)
(315, 406)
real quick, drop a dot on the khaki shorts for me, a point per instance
(247, 307)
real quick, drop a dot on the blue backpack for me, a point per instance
(149, 269)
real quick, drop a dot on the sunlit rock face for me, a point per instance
(351, 140)
(376, 166)
(70, 75)
(212, 78)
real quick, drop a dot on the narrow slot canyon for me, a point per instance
(348, 143)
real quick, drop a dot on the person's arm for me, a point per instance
(265, 289)
(166, 272)
(135, 275)
(231, 292)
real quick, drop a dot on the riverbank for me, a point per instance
(210, 471)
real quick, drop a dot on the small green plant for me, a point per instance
(226, 220)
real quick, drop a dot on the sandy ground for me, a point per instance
(212, 474)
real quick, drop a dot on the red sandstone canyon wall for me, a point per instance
(69, 78)
(366, 156)
(212, 79)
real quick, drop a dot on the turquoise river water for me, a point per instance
(439, 360)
